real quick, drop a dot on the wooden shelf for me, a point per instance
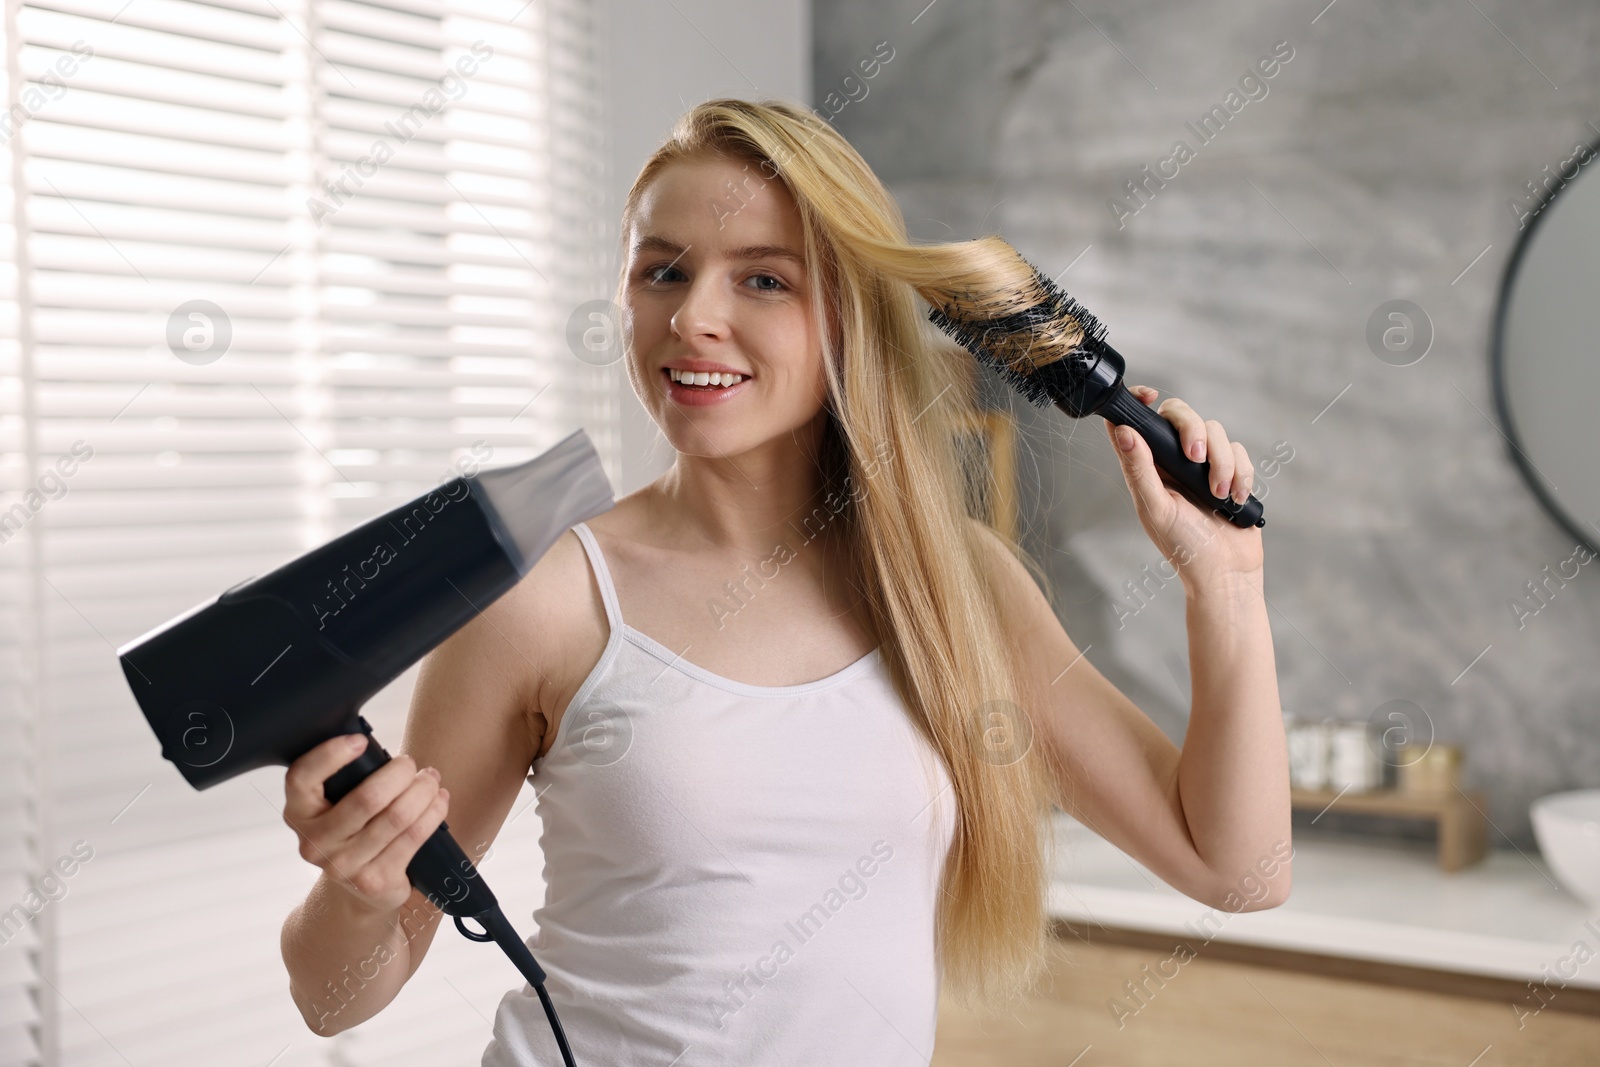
(1463, 827)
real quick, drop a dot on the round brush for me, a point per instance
(1053, 351)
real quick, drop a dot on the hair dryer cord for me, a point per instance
(496, 928)
(452, 883)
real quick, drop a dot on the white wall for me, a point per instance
(657, 61)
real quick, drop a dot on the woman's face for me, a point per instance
(716, 287)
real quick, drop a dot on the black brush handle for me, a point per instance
(1191, 479)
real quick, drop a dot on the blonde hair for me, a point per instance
(896, 394)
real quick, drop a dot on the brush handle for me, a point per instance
(1191, 479)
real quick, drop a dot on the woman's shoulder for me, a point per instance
(554, 618)
(1015, 580)
(552, 590)
(561, 590)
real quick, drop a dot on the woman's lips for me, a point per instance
(699, 395)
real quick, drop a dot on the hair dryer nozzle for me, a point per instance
(567, 480)
(278, 664)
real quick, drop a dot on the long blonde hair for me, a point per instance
(896, 394)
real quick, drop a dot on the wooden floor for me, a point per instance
(1219, 1013)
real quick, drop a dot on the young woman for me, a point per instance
(794, 720)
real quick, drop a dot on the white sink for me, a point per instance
(1567, 826)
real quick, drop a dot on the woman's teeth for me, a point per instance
(717, 378)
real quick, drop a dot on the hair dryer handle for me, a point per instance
(441, 869)
(1192, 479)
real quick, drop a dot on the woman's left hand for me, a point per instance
(1200, 544)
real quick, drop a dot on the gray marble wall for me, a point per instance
(1376, 164)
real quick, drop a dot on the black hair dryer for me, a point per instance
(271, 668)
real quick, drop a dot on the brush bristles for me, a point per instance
(1039, 350)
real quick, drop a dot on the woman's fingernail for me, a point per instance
(356, 741)
(1125, 438)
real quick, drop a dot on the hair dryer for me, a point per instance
(278, 664)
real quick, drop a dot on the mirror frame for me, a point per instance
(1497, 377)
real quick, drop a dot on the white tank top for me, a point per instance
(735, 874)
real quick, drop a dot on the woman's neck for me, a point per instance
(741, 503)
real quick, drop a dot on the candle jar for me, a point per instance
(1430, 768)
(1308, 753)
(1353, 762)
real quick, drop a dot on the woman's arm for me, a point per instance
(1233, 774)
(346, 962)
(477, 715)
(1212, 820)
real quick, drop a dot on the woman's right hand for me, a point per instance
(365, 841)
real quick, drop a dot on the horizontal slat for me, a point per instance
(419, 30)
(160, 228)
(244, 310)
(421, 177)
(405, 250)
(423, 285)
(92, 183)
(17, 1043)
(100, 255)
(109, 75)
(487, 96)
(86, 114)
(248, 115)
(358, 127)
(236, 24)
(156, 155)
(254, 57)
(426, 8)
(272, 378)
(286, 442)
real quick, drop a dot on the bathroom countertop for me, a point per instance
(1506, 917)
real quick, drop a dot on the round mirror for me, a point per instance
(1545, 358)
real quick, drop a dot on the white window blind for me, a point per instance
(269, 268)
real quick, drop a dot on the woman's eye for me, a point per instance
(660, 275)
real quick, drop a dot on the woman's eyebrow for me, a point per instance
(654, 243)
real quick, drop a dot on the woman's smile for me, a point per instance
(695, 383)
(703, 387)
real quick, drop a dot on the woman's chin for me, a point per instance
(722, 433)
(719, 437)
(717, 444)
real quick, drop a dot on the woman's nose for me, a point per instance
(703, 312)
